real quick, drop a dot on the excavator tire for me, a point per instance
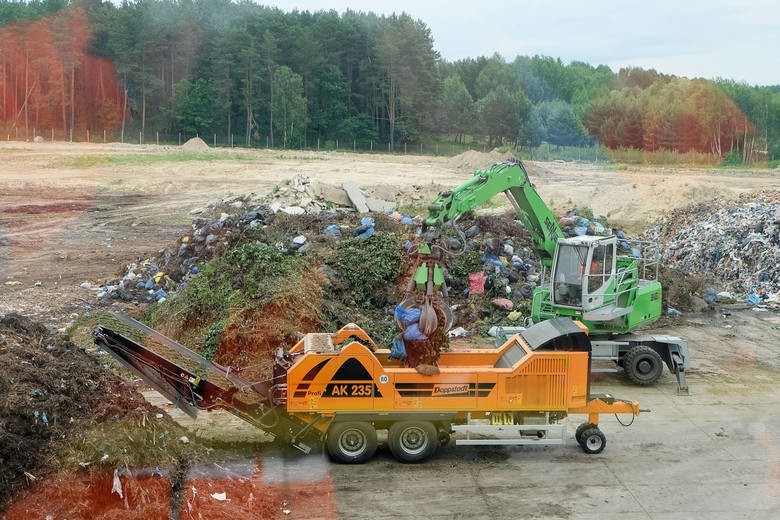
(643, 365)
(351, 442)
(412, 441)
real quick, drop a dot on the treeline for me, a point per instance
(262, 76)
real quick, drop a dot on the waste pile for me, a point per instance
(254, 273)
(735, 241)
(299, 206)
(52, 396)
(250, 276)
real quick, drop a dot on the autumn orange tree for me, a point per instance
(48, 81)
(669, 113)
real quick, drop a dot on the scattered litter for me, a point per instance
(458, 332)
(219, 496)
(503, 303)
(117, 487)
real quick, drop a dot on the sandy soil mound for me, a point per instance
(471, 160)
(196, 144)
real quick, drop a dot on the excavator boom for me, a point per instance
(510, 178)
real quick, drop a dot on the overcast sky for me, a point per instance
(737, 39)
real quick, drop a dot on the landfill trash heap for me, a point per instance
(736, 241)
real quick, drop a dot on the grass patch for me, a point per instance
(89, 161)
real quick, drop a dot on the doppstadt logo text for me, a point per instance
(450, 389)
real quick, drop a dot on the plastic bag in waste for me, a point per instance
(413, 333)
(367, 233)
(333, 229)
(408, 316)
(477, 282)
(398, 350)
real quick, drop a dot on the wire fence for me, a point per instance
(544, 152)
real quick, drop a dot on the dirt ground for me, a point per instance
(75, 213)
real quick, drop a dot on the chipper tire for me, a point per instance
(351, 442)
(643, 365)
(412, 441)
(580, 429)
(593, 441)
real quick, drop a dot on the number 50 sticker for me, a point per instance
(383, 378)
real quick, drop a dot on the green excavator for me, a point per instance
(609, 283)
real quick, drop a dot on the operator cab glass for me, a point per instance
(582, 276)
(568, 273)
(599, 275)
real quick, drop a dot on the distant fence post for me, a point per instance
(157, 137)
(215, 140)
(140, 138)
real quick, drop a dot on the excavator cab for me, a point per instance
(583, 272)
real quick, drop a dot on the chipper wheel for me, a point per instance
(643, 365)
(351, 442)
(592, 440)
(412, 441)
(581, 428)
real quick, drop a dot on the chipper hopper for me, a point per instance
(339, 389)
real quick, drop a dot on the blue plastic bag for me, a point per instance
(367, 233)
(398, 350)
(413, 333)
(407, 316)
(333, 229)
(493, 259)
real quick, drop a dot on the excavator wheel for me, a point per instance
(593, 441)
(643, 365)
(351, 442)
(412, 441)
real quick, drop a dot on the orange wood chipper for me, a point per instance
(338, 389)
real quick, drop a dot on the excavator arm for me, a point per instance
(510, 178)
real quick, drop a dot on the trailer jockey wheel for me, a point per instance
(581, 428)
(351, 442)
(643, 365)
(593, 441)
(412, 441)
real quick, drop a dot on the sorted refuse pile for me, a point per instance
(735, 241)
